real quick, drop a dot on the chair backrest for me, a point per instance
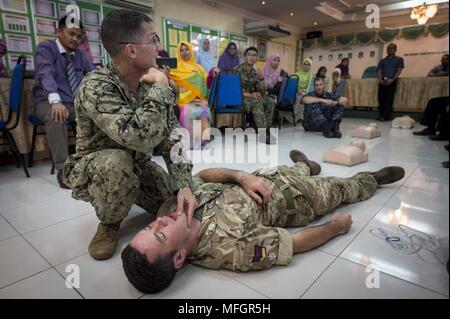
(15, 92)
(370, 72)
(226, 93)
(16, 88)
(288, 91)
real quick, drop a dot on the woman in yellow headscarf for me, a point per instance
(191, 79)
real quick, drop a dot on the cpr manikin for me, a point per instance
(367, 131)
(347, 155)
(403, 122)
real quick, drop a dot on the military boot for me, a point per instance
(105, 240)
(326, 131)
(297, 156)
(388, 175)
(335, 129)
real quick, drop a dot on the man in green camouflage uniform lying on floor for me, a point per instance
(240, 219)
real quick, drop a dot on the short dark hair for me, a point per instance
(317, 79)
(250, 49)
(122, 26)
(62, 23)
(144, 275)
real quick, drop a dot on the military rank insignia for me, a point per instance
(260, 254)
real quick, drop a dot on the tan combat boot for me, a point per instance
(104, 243)
(297, 156)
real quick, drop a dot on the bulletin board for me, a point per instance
(174, 33)
(26, 23)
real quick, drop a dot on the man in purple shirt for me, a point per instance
(60, 67)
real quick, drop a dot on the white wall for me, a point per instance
(421, 55)
(357, 65)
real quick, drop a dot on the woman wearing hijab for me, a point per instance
(273, 74)
(337, 84)
(204, 55)
(343, 66)
(229, 59)
(305, 77)
(3, 71)
(191, 80)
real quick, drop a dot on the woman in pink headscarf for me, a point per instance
(273, 74)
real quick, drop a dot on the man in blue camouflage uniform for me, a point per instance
(323, 110)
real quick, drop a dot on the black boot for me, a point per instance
(270, 140)
(335, 129)
(326, 130)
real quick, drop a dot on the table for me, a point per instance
(412, 94)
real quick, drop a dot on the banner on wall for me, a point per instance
(385, 35)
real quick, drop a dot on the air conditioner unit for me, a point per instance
(263, 30)
(138, 5)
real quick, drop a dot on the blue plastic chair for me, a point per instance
(287, 96)
(15, 101)
(370, 72)
(226, 95)
(36, 122)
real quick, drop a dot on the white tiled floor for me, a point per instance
(43, 230)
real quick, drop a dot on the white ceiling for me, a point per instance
(336, 12)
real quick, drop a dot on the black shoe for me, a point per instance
(438, 137)
(335, 129)
(388, 175)
(446, 147)
(445, 164)
(425, 131)
(326, 130)
(59, 178)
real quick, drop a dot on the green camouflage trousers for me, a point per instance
(112, 182)
(240, 235)
(262, 110)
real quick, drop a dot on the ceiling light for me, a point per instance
(291, 14)
(315, 24)
(263, 3)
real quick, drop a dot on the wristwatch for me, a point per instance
(56, 102)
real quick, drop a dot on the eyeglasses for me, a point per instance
(153, 41)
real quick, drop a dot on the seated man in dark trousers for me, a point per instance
(435, 118)
(256, 99)
(241, 220)
(323, 110)
(60, 67)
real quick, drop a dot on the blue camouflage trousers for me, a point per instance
(317, 115)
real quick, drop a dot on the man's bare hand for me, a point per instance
(342, 221)
(60, 113)
(256, 187)
(186, 203)
(154, 75)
